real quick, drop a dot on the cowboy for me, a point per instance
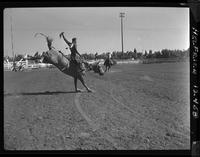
(73, 48)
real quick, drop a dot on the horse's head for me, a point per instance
(97, 68)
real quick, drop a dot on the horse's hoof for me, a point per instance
(78, 90)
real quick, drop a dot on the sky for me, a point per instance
(97, 29)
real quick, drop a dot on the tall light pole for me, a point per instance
(12, 39)
(121, 16)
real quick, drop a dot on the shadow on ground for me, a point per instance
(40, 93)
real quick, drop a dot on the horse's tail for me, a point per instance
(48, 39)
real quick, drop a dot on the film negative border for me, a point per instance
(194, 77)
(194, 5)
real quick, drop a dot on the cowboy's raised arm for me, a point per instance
(68, 43)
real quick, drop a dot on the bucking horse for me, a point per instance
(59, 60)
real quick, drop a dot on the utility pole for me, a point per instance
(12, 40)
(121, 16)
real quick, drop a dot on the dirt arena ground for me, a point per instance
(134, 107)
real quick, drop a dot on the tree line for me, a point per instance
(164, 53)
